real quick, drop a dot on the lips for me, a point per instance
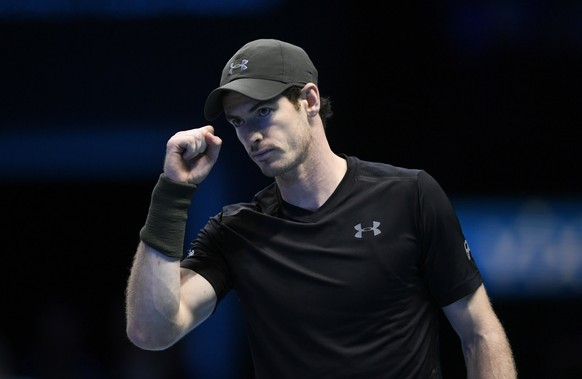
(261, 154)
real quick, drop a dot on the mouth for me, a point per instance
(261, 154)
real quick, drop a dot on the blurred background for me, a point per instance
(484, 95)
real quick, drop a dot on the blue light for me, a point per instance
(42, 9)
(81, 154)
(527, 247)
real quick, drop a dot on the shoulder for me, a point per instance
(401, 180)
(369, 169)
(263, 201)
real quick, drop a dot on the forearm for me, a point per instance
(153, 300)
(162, 302)
(490, 357)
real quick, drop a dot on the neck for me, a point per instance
(314, 182)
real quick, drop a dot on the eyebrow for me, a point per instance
(255, 107)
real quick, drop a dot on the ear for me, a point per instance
(311, 94)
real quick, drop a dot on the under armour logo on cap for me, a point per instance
(242, 65)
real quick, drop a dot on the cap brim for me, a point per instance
(257, 89)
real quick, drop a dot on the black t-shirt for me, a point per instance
(352, 290)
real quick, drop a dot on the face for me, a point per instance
(275, 133)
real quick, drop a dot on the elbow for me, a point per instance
(149, 337)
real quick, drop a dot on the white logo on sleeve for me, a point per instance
(373, 228)
(467, 250)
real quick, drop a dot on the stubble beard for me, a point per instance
(287, 166)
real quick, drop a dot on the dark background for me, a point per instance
(484, 96)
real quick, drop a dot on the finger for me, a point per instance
(213, 145)
(195, 146)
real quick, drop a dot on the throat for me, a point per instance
(316, 186)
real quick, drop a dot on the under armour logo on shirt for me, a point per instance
(373, 228)
(467, 250)
(242, 66)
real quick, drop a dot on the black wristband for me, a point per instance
(165, 225)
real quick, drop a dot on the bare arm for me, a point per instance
(164, 301)
(485, 346)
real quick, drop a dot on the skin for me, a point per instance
(485, 346)
(287, 142)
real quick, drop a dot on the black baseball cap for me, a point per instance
(261, 70)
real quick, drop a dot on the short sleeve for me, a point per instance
(448, 266)
(206, 258)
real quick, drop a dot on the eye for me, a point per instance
(236, 122)
(264, 112)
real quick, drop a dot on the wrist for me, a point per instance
(165, 224)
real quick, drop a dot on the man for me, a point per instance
(341, 265)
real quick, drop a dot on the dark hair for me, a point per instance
(325, 111)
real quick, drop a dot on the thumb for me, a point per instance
(213, 145)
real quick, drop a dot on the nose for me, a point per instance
(250, 135)
(255, 139)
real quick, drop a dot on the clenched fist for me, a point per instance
(191, 154)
